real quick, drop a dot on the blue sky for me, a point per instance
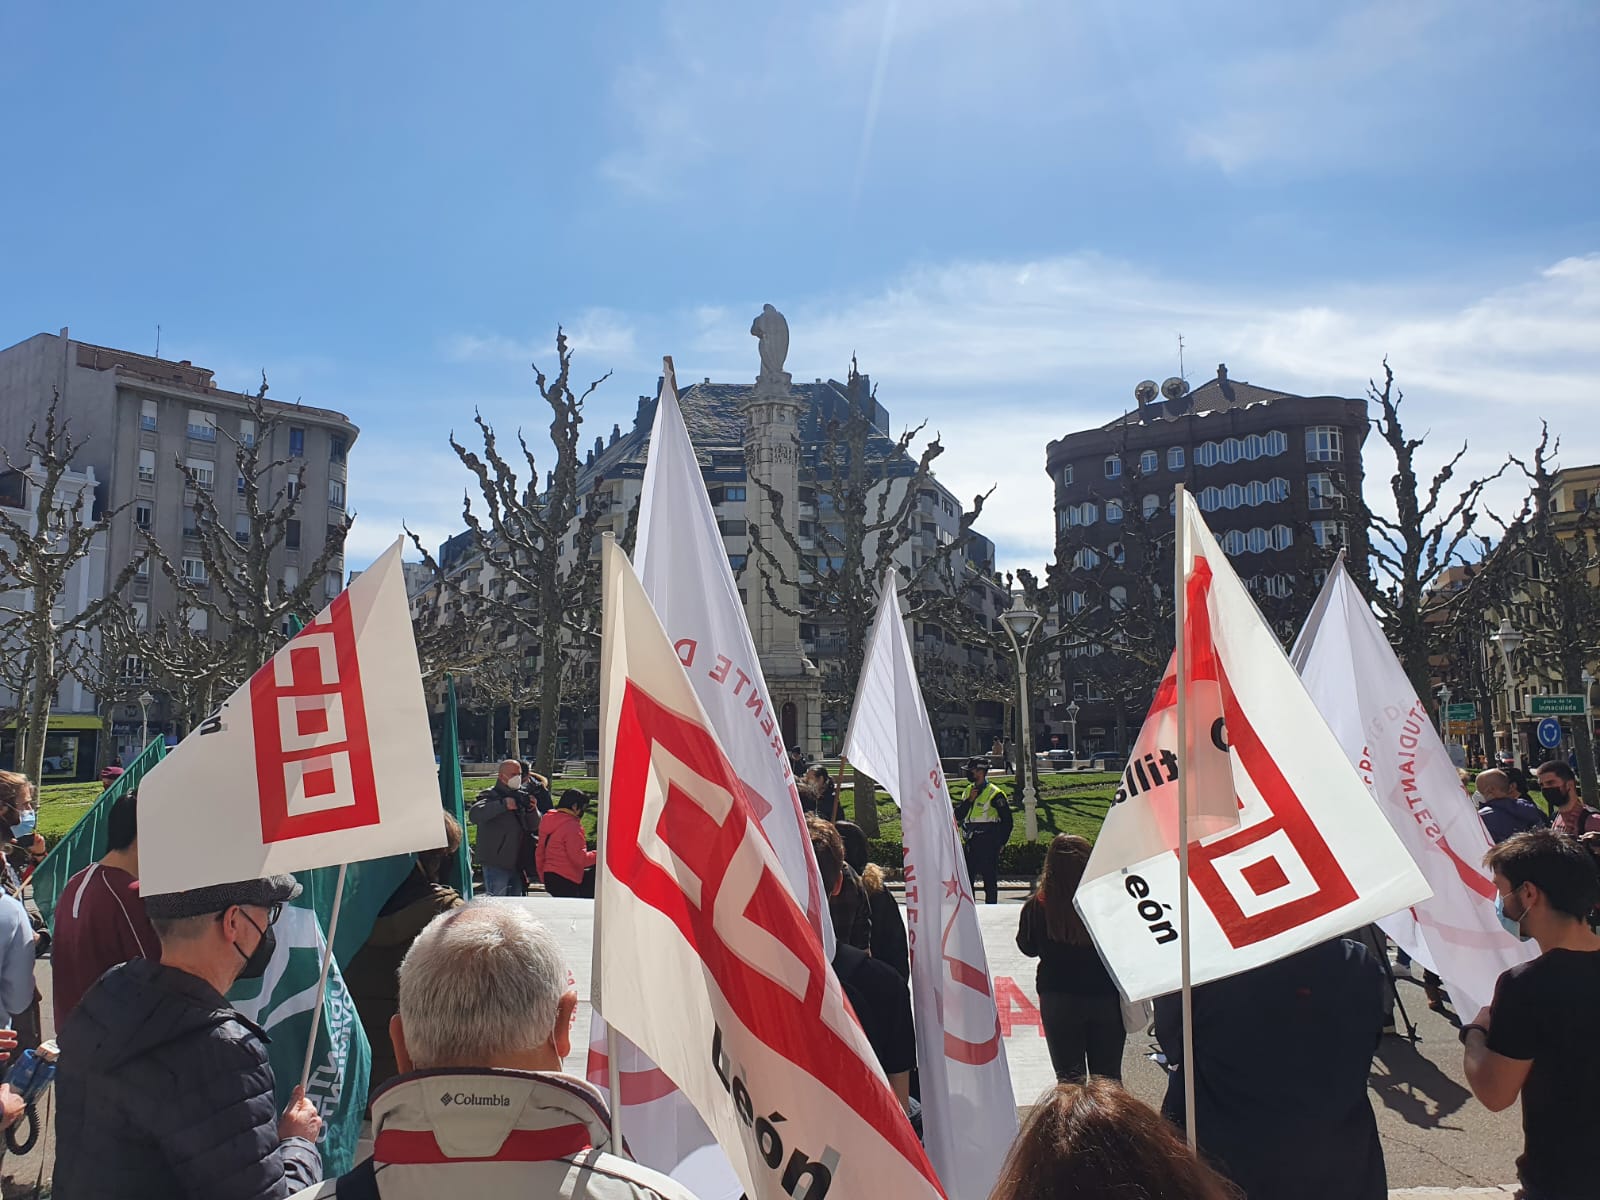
(1008, 210)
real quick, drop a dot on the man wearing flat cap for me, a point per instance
(163, 1088)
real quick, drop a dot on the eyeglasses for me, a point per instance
(274, 911)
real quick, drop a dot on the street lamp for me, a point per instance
(1444, 706)
(1508, 639)
(145, 701)
(1020, 623)
(1072, 730)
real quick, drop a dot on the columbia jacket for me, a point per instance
(164, 1091)
(563, 849)
(490, 1135)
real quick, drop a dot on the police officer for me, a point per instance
(985, 815)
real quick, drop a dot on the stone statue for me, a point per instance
(773, 332)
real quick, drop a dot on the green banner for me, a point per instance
(86, 841)
(459, 873)
(283, 999)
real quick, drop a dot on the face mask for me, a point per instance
(1556, 795)
(255, 963)
(26, 823)
(1514, 928)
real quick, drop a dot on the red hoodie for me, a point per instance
(563, 850)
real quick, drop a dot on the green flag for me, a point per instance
(283, 999)
(459, 873)
(86, 841)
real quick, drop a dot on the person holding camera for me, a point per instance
(507, 817)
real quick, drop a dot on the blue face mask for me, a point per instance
(26, 823)
(1514, 928)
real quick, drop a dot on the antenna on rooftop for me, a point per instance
(1180, 356)
(158, 341)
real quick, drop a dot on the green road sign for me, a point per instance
(1461, 712)
(1555, 706)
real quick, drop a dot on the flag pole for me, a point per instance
(1180, 602)
(322, 982)
(613, 1041)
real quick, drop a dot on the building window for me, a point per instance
(1113, 467)
(143, 569)
(147, 466)
(1324, 443)
(1152, 505)
(199, 620)
(336, 493)
(1117, 553)
(141, 615)
(147, 414)
(332, 584)
(1256, 540)
(1149, 462)
(1113, 511)
(1175, 459)
(292, 491)
(1329, 533)
(291, 534)
(133, 668)
(1320, 492)
(1119, 598)
(1075, 602)
(241, 530)
(291, 578)
(1086, 559)
(1277, 443)
(338, 446)
(297, 442)
(240, 484)
(194, 570)
(247, 432)
(1281, 537)
(731, 528)
(200, 473)
(733, 493)
(1066, 475)
(142, 514)
(1086, 513)
(738, 561)
(202, 426)
(336, 533)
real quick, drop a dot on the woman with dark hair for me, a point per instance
(1095, 1142)
(1078, 1002)
(887, 936)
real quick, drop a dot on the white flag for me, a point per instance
(969, 1119)
(1363, 692)
(1311, 857)
(683, 565)
(323, 757)
(707, 963)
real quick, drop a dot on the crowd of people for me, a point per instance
(164, 1089)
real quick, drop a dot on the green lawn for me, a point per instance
(1067, 804)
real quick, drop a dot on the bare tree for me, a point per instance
(248, 604)
(1546, 567)
(1430, 532)
(36, 560)
(540, 595)
(872, 504)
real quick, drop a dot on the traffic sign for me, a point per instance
(1555, 706)
(1549, 733)
(1461, 712)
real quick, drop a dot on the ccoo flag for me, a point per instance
(682, 563)
(1310, 856)
(1372, 708)
(323, 757)
(692, 898)
(968, 1112)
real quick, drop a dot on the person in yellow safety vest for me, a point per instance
(985, 816)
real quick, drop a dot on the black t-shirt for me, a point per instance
(1063, 967)
(1532, 1018)
(882, 1004)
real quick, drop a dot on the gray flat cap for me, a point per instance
(262, 893)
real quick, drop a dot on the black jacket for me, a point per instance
(163, 1090)
(503, 833)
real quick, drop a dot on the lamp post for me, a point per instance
(1072, 730)
(1508, 639)
(145, 701)
(1020, 623)
(1444, 713)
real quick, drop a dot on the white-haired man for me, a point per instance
(481, 1108)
